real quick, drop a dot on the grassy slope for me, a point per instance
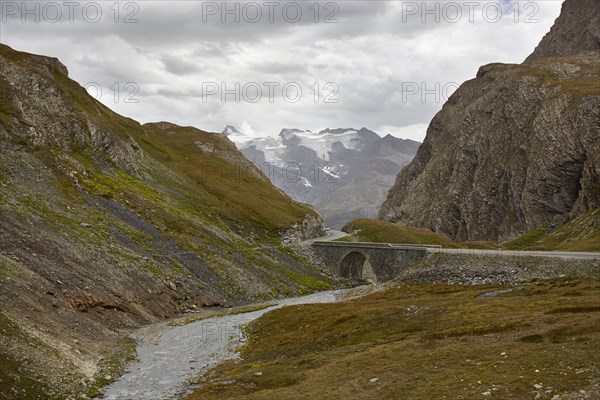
(174, 190)
(234, 188)
(370, 230)
(16, 379)
(579, 234)
(422, 342)
(588, 84)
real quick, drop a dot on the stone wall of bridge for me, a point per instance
(373, 262)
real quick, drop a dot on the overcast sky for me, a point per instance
(384, 65)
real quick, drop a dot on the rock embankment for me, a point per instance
(482, 270)
(312, 227)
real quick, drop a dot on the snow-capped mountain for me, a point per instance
(234, 134)
(344, 173)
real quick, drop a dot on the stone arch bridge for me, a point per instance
(373, 262)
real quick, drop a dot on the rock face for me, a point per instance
(576, 30)
(343, 173)
(311, 228)
(515, 148)
(107, 225)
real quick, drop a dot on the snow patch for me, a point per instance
(321, 143)
(306, 182)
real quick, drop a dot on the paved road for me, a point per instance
(333, 235)
(329, 236)
(514, 253)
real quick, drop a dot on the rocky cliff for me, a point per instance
(576, 30)
(515, 148)
(107, 225)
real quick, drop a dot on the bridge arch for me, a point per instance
(356, 265)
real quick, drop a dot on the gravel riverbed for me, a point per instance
(170, 357)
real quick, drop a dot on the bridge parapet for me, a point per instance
(377, 245)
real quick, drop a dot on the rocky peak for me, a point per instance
(231, 130)
(576, 30)
(58, 112)
(43, 64)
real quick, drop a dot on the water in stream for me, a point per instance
(166, 363)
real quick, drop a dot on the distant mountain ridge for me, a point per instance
(344, 172)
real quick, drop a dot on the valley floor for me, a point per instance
(536, 340)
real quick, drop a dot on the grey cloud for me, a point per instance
(180, 65)
(370, 53)
(274, 67)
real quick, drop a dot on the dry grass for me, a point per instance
(581, 233)
(370, 230)
(229, 185)
(578, 234)
(422, 342)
